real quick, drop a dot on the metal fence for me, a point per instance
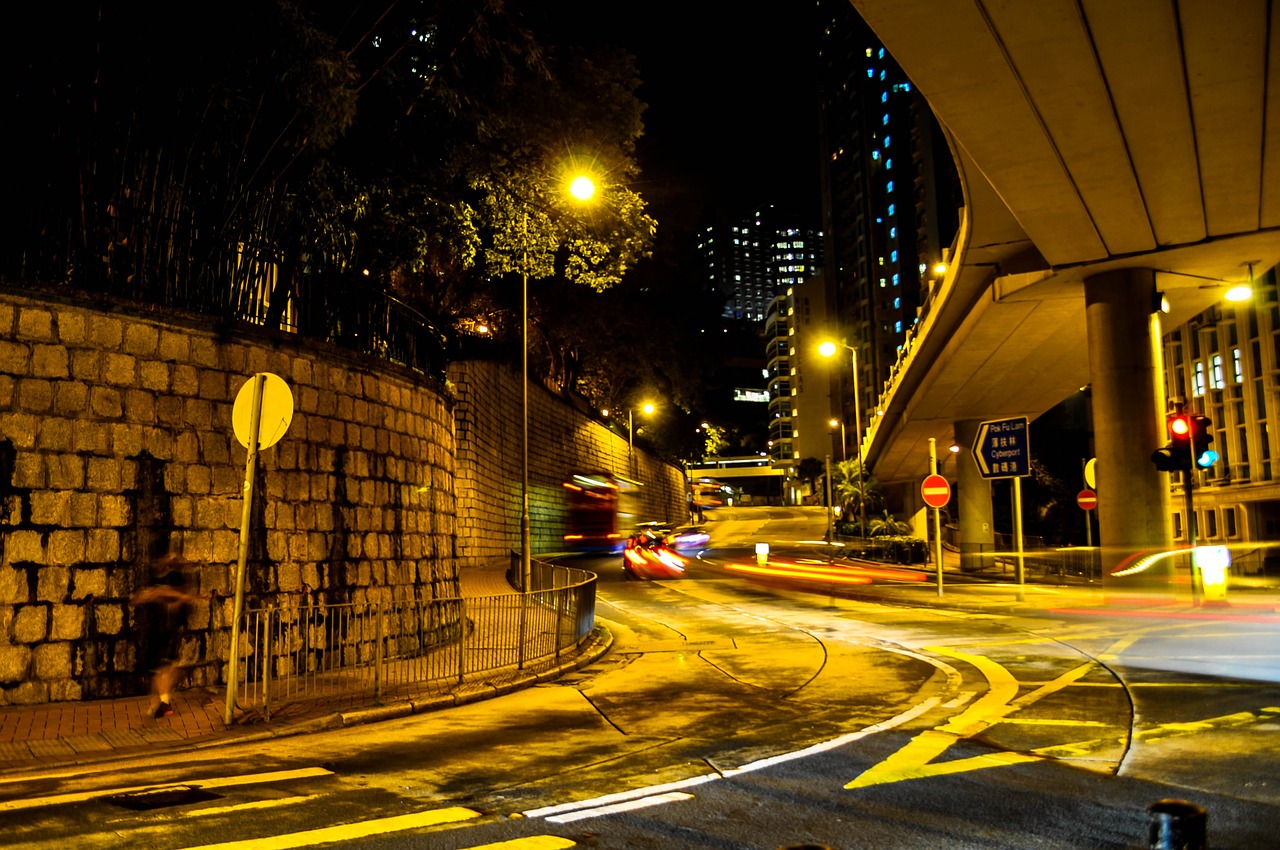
(354, 653)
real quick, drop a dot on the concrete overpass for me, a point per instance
(1107, 151)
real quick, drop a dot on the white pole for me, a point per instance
(937, 517)
(1017, 533)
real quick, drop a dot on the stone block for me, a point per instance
(15, 358)
(106, 403)
(173, 346)
(90, 437)
(72, 327)
(199, 482)
(56, 435)
(226, 546)
(186, 380)
(113, 511)
(154, 376)
(198, 414)
(67, 546)
(15, 661)
(103, 474)
(126, 439)
(51, 507)
(24, 545)
(52, 583)
(108, 618)
(35, 323)
(86, 365)
(105, 331)
(65, 471)
(213, 385)
(141, 406)
(83, 510)
(29, 471)
(13, 586)
(141, 340)
(288, 577)
(35, 395)
(87, 582)
(120, 370)
(102, 547)
(204, 352)
(68, 622)
(31, 624)
(50, 361)
(70, 398)
(52, 661)
(169, 410)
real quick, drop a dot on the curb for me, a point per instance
(598, 644)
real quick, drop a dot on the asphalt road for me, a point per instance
(737, 711)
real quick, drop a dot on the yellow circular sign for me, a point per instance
(277, 410)
(1088, 473)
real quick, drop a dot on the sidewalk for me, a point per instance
(78, 733)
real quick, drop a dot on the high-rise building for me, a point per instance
(1225, 364)
(756, 258)
(888, 188)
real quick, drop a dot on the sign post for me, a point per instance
(936, 492)
(261, 414)
(1002, 449)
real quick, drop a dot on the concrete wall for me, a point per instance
(116, 445)
(562, 439)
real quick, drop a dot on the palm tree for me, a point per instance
(886, 525)
(853, 492)
(810, 469)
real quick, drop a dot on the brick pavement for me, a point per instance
(81, 732)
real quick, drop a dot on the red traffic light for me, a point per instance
(1179, 425)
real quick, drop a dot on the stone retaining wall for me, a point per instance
(562, 440)
(116, 445)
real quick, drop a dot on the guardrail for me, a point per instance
(354, 652)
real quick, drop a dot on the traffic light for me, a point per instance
(1176, 455)
(1201, 437)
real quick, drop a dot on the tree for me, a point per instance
(886, 525)
(852, 491)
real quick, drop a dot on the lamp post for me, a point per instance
(833, 423)
(827, 349)
(583, 189)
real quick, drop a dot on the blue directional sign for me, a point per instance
(1002, 448)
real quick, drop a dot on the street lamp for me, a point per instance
(582, 188)
(827, 349)
(832, 423)
(647, 409)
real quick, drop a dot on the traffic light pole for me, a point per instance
(1188, 478)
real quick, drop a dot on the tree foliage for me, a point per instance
(265, 148)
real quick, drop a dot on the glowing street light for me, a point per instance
(581, 188)
(828, 349)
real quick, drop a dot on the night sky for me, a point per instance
(731, 120)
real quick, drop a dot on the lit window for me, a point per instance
(893, 256)
(897, 303)
(881, 54)
(1239, 367)
(875, 155)
(891, 209)
(895, 280)
(1215, 373)
(897, 326)
(886, 142)
(885, 119)
(893, 233)
(884, 97)
(888, 163)
(882, 283)
(889, 188)
(1197, 381)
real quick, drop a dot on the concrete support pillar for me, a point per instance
(973, 502)
(1126, 373)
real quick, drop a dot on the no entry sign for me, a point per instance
(935, 491)
(1087, 499)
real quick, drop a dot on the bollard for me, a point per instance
(1176, 825)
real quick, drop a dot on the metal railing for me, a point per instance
(353, 653)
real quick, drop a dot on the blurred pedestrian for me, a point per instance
(163, 608)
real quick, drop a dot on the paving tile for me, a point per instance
(15, 751)
(88, 743)
(50, 748)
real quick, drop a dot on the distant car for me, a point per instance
(688, 537)
(648, 556)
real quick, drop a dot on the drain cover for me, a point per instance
(160, 798)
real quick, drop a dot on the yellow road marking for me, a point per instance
(533, 842)
(347, 831)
